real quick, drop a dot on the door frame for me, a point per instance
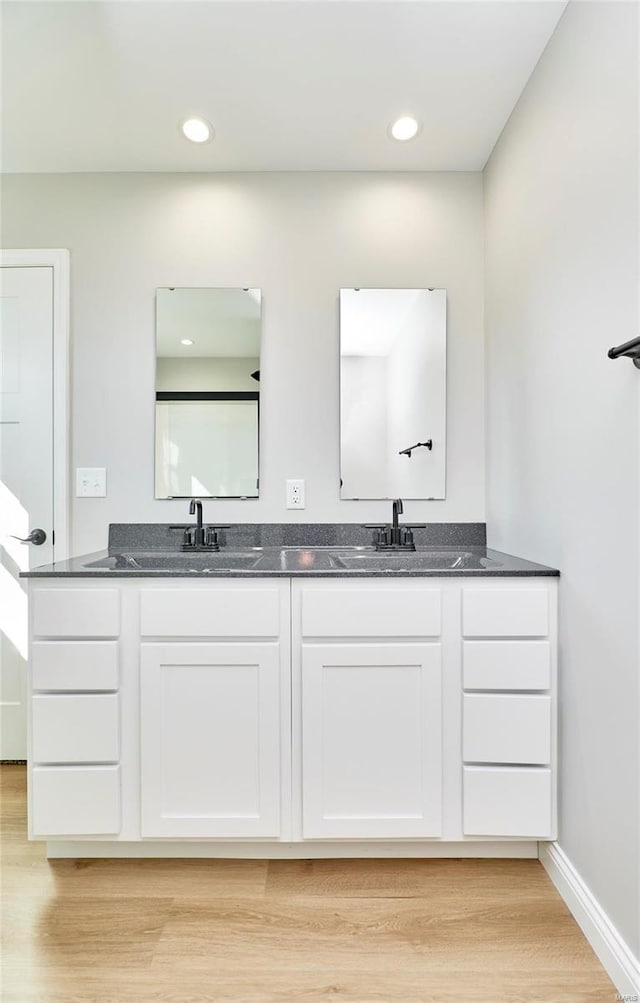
(58, 259)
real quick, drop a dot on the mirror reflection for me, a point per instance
(392, 393)
(207, 392)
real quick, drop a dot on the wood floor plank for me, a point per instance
(330, 931)
(194, 879)
(373, 935)
(404, 878)
(475, 987)
(83, 932)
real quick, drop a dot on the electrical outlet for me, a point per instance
(295, 494)
(91, 482)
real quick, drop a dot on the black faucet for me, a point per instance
(394, 536)
(397, 509)
(195, 508)
(199, 537)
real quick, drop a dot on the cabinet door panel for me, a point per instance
(371, 730)
(210, 751)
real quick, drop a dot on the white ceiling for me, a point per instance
(298, 85)
(220, 322)
(371, 319)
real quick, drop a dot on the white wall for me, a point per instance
(215, 375)
(300, 238)
(563, 440)
(364, 418)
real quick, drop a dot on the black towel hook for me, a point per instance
(630, 350)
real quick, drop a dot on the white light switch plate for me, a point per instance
(295, 494)
(91, 482)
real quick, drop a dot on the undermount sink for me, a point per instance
(295, 560)
(200, 561)
(398, 560)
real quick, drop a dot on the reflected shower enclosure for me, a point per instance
(207, 393)
(393, 345)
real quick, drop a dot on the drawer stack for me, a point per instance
(75, 713)
(507, 724)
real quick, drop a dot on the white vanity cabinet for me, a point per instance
(214, 673)
(257, 715)
(370, 678)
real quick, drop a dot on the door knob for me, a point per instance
(37, 537)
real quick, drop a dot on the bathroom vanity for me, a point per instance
(296, 701)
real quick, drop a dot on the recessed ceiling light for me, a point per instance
(186, 341)
(404, 128)
(198, 130)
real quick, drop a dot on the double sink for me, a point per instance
(292, 560)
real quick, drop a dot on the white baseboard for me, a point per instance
(621, 965)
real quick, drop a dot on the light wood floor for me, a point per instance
(345, 931)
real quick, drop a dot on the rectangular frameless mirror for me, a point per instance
(207, 392)
(392, 393)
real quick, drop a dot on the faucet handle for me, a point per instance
(406, 538)
(382, 537)
(210, 536)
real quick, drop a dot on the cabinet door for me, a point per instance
(210, 743)
(371, 737)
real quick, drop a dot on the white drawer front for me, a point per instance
(75, 728)
(503, 801)
(76, 612)
(74, 665)
(371, 613)
(507, 665)
(502, 728)
(505, 612)
(75, 801)
(210, 613)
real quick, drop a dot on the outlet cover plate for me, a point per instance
(295, 494)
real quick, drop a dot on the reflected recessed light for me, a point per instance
(198, 130)
(186, 341)
(404, 128)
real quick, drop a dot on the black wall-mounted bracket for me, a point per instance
(630, 350)
(408, 451)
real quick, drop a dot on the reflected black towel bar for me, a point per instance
(631, 349)
(408, 451)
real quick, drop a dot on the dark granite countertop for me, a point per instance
(293, 551)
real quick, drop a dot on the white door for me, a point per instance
(26, 474)
(210, 740)
(371, 740)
